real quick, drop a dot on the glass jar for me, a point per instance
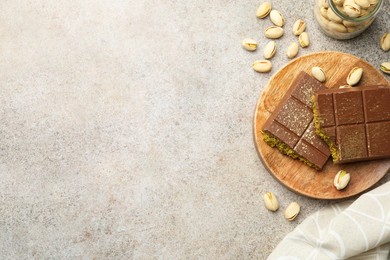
(345, 19)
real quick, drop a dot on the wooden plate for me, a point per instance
(294, 174)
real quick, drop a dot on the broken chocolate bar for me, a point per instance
(355, 122)
(290, 128)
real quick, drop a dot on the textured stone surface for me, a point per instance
(126, 128)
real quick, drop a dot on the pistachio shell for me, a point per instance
(270, 201)
(363, 3)
(350, 24)
(354, 76)
(262, 65)
(249, 44)
(385, 67)
(304, 40)
(318, 74)
(277, 18)
(338, 2)
(292, 50)
(263, 10)
(333, 17)
(324, 12)
(341, 180)
(299, 27)
(292, 211)
(352, 9)
(325, 3)
(338, 27)
(269, 50)
(274, 32)
(385, 42)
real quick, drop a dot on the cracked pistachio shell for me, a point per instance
(385, 42)
(338, 2)
(363, 3)
(318, 74)
(269, 50)
(341, 180)
(325, 3)
(304, 40)
(292, 50)
(277, 18)
(299, 27)
(373, 2)
(338, 27)
(249, 44)
(274, 32)
(354, 76)
(270, 201)
(351, 24)
(345, 86)
(385, 67)
(262, 65)
(324, 12)
(352, 9)
(333, 17)
(292, 211)
(263, 10)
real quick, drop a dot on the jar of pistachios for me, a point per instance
(345, 19)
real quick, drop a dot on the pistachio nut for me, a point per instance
(274, 32)
(363, 3)
(249, 44)
(292, 50)
(269, 50)
(270, 201)
(338, 27)
(262, 65)
(299, 27)
(341, 180)
(304, 40)
(385, 42)
(352, 9)
(364, 12)
(373, 2)
(345, 86)
(325, 3)
(292, 211)
(324, 12)
(277, 18)
(350, 24)
(332, 16)
(354, 76)
(323, 21)
(318, 74)
(263, 10)
(385, 67)
(338, 2)
(353, 29)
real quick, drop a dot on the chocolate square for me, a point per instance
(377, 104)
(348, 108)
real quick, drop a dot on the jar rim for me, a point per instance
(355, 19)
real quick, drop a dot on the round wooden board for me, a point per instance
(294, 174)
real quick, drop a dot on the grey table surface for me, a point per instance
(126, 128)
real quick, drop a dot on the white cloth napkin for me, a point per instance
(355, 230)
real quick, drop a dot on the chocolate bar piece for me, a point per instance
(355, 122)
(290, 127)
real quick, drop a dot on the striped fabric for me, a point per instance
(347, 230)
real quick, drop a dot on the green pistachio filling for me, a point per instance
(273, 141)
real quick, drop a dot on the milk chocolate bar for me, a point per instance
(290, 128)
(355, 122)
